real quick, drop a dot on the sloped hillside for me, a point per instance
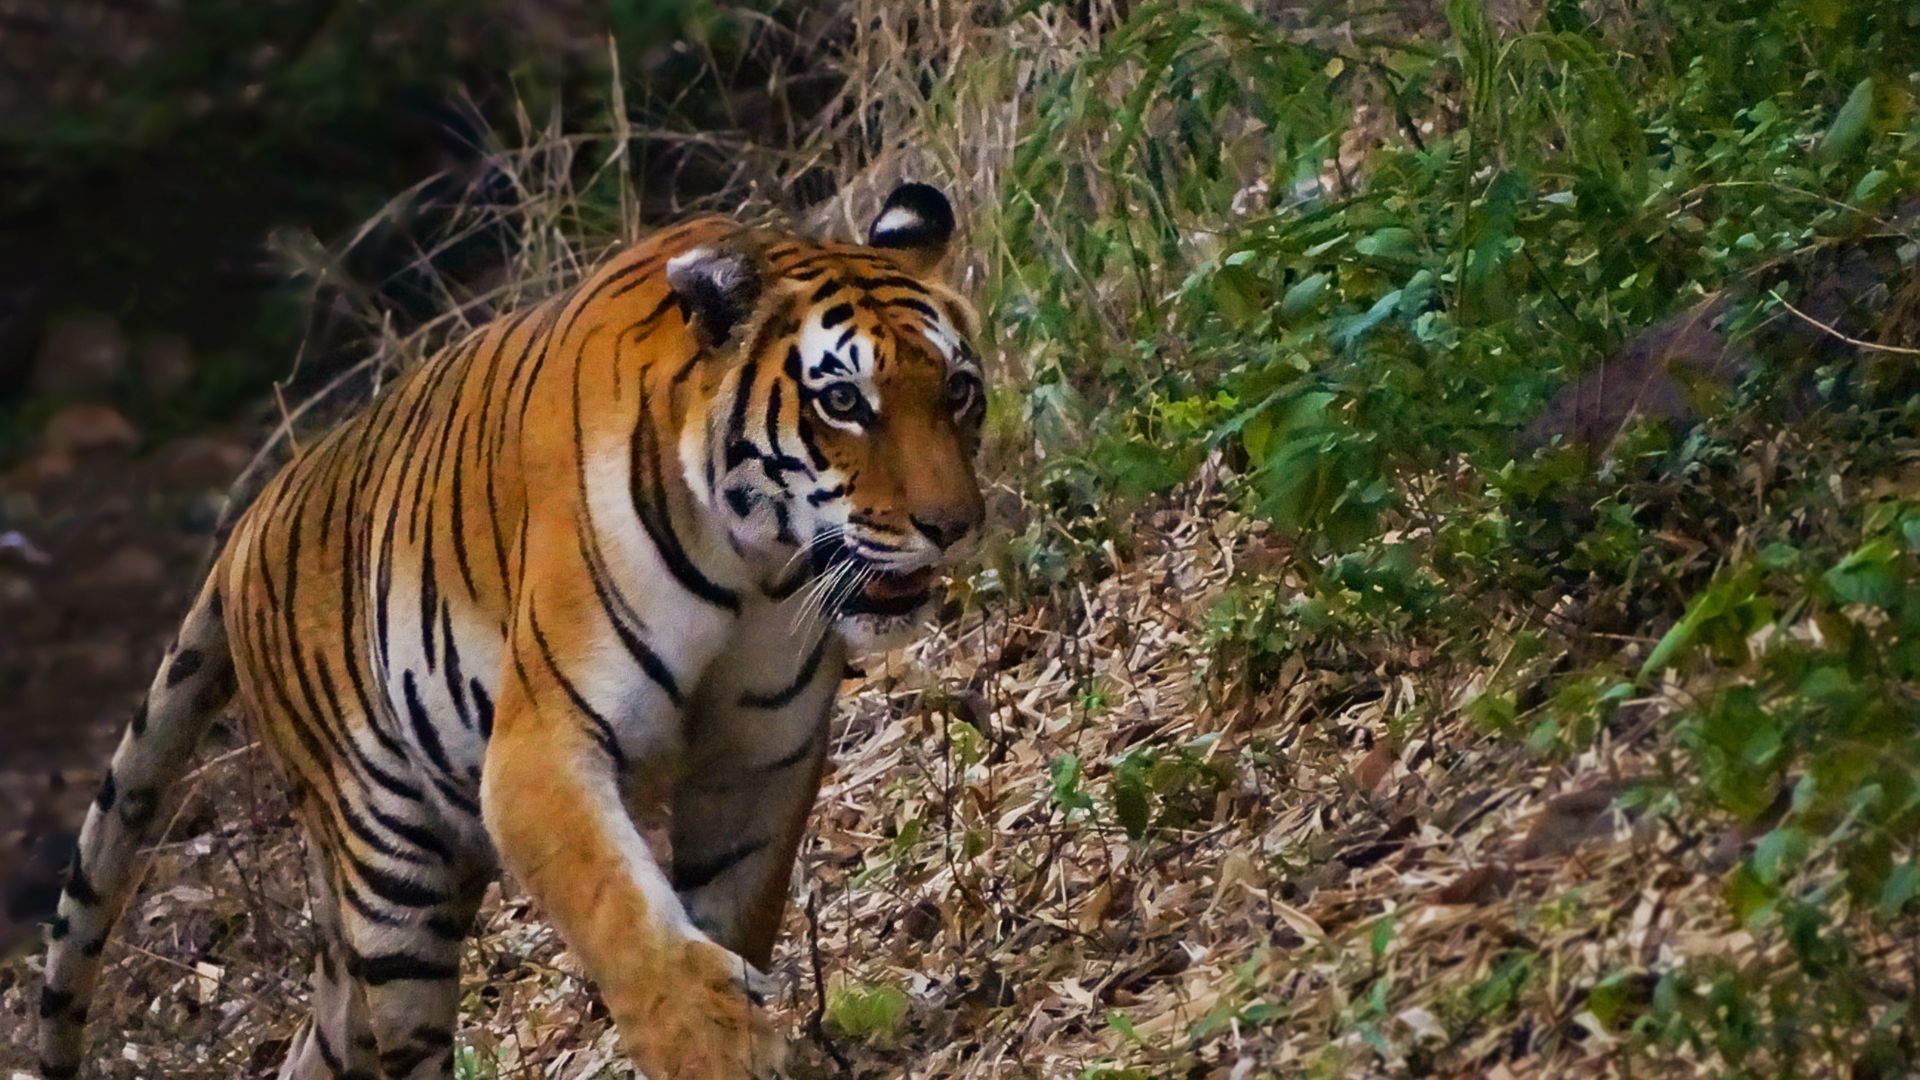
(1455, 602)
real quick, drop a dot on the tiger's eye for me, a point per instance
(961, 386)
(842, 402)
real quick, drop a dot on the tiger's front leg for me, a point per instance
(685, 1006)
(757, 746)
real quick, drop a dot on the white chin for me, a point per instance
(869, 634)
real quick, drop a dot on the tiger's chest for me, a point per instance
(443, 674)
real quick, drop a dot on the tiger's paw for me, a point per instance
(710, 1022)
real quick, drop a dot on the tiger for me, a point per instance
(620, 542)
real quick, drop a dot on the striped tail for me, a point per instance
(193, 685)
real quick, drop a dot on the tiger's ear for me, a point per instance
(916, 225)
(717, 285)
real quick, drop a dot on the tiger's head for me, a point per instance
(839, 444)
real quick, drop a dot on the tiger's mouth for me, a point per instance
(892, 594)
(883, 593)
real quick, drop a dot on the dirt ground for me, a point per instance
(102, 541)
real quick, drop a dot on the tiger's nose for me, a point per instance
(948, 527)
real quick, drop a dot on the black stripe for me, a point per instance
(645, 490)
(268, 674)
(345, 742)
(429, 598)
(419, 836)
(421, 503)
(743, 397)
(809, 438)
(185, 663)
(327, 1055)
(689, 877)
(78, 887)
(366, 909)
(792, 757)
(136, 808)
(459, 527)
(351, 580)
(547, 312)
(393, 888)
(623, 618)
(891, 281)
(920, 306)
(456, 688)
(358, 826)
(386, 540)
(607, 739)
(398, 967)
(450, 790)
(424, 732)
(402, 1060)
(784, 696)
(483, 705)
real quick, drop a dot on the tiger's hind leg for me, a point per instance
(404, 963)
(337, 1039)
(385, 978)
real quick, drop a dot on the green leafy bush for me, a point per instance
(1352, 313)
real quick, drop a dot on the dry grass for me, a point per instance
(1337, 850)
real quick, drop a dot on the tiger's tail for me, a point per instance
(193, 685)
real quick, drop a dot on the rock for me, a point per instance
(105, 660)
(80, 356)
(200, 463)
(1571, 819)
(921, 922)
(37, 472)
(1480, 885)
(1665, 374)
(128, 567)
(79, 429)
(15, 591)
(166, 364)
(1373, 766)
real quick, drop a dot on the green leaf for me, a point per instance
(1866, 576)
(1750, 898)
(1381, 937)
(1901, 886)
(866, 1010)
(1132, 806)
(1303, 294)
(1777, 853)
(1871, 185)
(1849, 129)
(1392, 242)
(1723, 614)
(1065, 790)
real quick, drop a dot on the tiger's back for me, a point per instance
(615, 540)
